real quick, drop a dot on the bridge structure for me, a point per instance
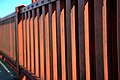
(61, 40)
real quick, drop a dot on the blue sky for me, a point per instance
(8, 6)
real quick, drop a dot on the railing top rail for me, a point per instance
(36, 5)
(8, 16)
(28, 8)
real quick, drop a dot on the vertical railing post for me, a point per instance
(118, 36)
(105, 47)
(99, 71)
(18, 24)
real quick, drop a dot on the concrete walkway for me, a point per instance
(6, 72)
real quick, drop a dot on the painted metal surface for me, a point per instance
(65, 39)
(118, 37)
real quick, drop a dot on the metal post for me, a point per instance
(16, 44)
(118, 36)
(18, 19)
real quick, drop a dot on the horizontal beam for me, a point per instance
(35, 5)
(8, 16)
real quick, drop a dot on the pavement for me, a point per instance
(6, 72)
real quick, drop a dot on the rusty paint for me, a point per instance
(42, 69)
(24, 29)
(13, 24)
(38, 18)
(36, 44)
(63, 54)
(61, 40)
(11, 40)
(87, 53)
(105, 53)
(47, 48)
(29, 29)
(55, 70)
(20, 41)
(73, 44)
(32, 43)
(28, 40)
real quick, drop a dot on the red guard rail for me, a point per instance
(64, 39)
